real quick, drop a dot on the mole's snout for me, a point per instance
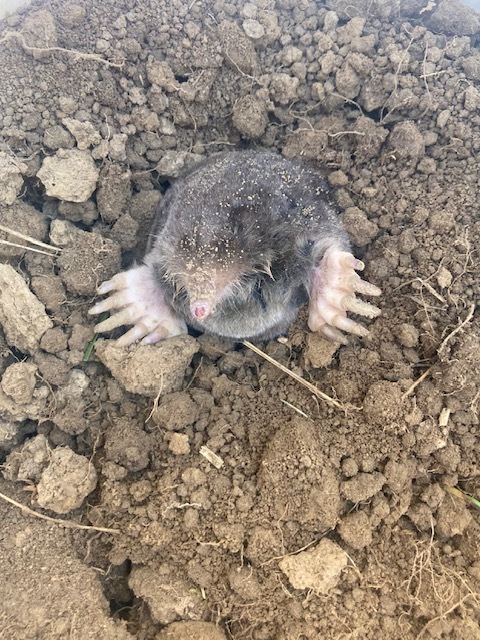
(200, 310)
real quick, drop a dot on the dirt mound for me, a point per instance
(240, 505)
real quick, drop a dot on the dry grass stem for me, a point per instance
(311, 387)
(156, 401)
(212, 457)
(292, 406)
(429, 287)
(70, 524)
(292, 553)
(26, 248)
(34, 241)
(416, 383)
(444, 417)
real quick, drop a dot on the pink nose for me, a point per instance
(200, 310)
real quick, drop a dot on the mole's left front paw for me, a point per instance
(333, 285)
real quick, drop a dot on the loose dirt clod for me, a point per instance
(22, 315)
(69, 175)
(66, 482)
(11, 180)
(318, 568)
(145, 369)
(168, 598)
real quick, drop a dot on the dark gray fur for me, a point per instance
(250, 208)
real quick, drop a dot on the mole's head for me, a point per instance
(207, 265)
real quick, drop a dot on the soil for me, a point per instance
(225, 499)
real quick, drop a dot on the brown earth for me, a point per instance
(317, 520)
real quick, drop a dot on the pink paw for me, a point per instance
(333, 286)
(137, 299)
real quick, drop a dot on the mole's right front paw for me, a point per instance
(137, 299)
(334, 284)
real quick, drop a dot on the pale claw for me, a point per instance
(138, 300)
(333, 334)
(364, 287)
(332, 290)
(352, 303)
(350, 326)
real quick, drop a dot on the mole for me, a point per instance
(237, 246)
